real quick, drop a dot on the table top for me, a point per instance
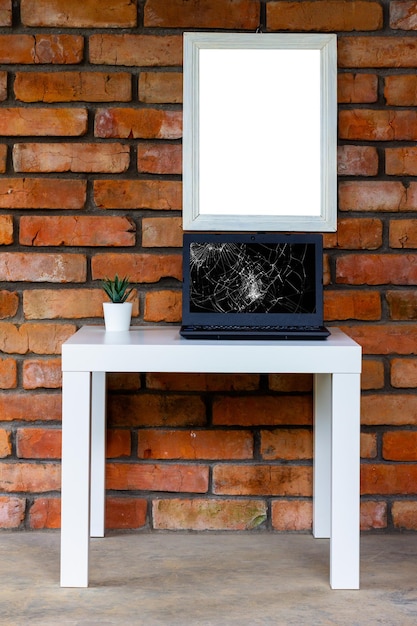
(162, 349)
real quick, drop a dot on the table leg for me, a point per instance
(345, 497)
(322, 455)
(98, 453)
(75, 490)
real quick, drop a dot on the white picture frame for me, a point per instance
(260, 132)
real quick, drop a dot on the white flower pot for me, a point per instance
(117, 316)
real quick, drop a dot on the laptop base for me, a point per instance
(261, 334)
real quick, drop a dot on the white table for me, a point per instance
(335, 363)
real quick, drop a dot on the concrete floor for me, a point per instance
(227, 579)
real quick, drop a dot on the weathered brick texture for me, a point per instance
(136, 50)
(77, 231)
(112, 158)
(51, 122)
(72, 87)
(208, 514)
(326, 15)
(232, 14)
(28, 49)
(90, 186)
(79, 13)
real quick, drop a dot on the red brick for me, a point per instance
(34, 477)
(45, 513)
(403, 233)
(157, 477)
(42, 193)
(6, 230)
(399, 445)
(42, 48)
(3, 147)
(156, 410)
(62, 49)
(286, 444)
(374, 196)
(68, 303)
(272, 480)
(262, 410)
(138, 194)
(118, 443)
(8, 373)
(12, 511)
(162, 232)
(138, 123)
(327, 278)
(232, 14)
(391, 52)
(402, 305)
(160, 87)
(404, 515)
(37, 338)
(378, 125)
(400, 90)
(392, 409)
(373, 269)
(73, 87)
(77, 231)
(5, 443)
(373, 515)
(202, 382)
(357, 88)
(42, 267)
(9, 303)
(123, 381)
(42, 373)
(5, 12)
(71, 157)
(38, 443)
(369, 444)
(372, 374)
(290, 515)
(48, 338)
(159, 158)
(403, 14)
(383, 479)
(326, 15)
(404, 373)
(79, 13)
(357, 160)
(359, 305)
(287, 383)
(401, 161)
(163, 306)
(358, 234)
(50, 122)
(410, 200)
(3, 96)
(30, 407)
(194, 444)
(125, 513)
(207, 514)
(136, 50)
(142, 268)
(384, 338)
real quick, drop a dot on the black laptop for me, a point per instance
(252, 286)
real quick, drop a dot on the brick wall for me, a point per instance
(90, 184)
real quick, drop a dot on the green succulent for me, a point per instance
(117, 289)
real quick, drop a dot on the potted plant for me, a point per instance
(117, 312)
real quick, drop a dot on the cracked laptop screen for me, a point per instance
(230, 277)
